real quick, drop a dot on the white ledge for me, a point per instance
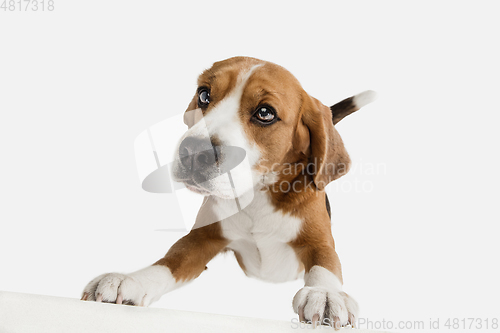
(36, 313)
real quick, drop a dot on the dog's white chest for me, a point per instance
(260, 235)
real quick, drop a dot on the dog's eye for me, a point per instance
(265, 114)
(203, 98)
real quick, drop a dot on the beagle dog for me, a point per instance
(284, 233)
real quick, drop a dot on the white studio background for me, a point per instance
(416, 223)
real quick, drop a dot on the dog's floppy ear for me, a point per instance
(328, 159)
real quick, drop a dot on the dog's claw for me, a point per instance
(336, 323)
(301, 314)
(85, 297)
(99, 298)
(315, 320)
(352, 320)
(119, 299)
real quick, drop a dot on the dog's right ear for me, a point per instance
(352, 104)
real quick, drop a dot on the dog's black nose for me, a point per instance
(196, 154)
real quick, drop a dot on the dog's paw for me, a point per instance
(138, 288)
(318, 305)
(115, 288)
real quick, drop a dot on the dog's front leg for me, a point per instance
(185, 261)
(322, 299)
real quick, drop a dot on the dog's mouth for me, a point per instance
(207, 171)
(196, 188)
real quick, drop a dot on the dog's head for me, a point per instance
(256, 111)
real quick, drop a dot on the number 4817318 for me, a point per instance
(27, 5)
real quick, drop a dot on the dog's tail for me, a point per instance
(352, 104)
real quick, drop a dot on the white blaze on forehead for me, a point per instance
(224, 121)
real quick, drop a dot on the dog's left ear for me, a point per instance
(328, 158)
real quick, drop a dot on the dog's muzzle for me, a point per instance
(195, 165)
(200, 162)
